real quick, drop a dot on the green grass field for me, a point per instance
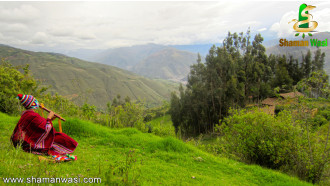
(128, 156)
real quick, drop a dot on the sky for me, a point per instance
(63, 25)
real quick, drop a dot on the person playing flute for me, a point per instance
(37, 135)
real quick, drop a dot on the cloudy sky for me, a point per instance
(51, 26)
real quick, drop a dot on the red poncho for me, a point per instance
(37, 135)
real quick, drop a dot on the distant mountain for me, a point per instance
(84, 54)
(81, 80)
(298, 51)
(168, 63)
(154, 61)
(126, 57)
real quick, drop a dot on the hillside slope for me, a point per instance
(134, 158)
(82, 80)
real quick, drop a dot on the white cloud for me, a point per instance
(61, 32)
(283, 28)
(14, 27)
(99, 25)
(22, 13)
(40, 38)
(262, 29)
(86, 36)
(323, 19)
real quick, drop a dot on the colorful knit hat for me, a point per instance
(28, 101)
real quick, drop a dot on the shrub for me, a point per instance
(260, 138)
(128, 115)
(275, 142)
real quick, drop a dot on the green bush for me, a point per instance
(127, 115)
(260, 138)
(275, 142)
(319, 120)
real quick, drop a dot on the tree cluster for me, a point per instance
(237, 73)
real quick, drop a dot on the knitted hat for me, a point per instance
(28, 101)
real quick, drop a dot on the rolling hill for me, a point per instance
(82, 80)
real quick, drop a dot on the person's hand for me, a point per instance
(51, 115)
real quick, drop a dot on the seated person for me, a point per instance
(37, 135)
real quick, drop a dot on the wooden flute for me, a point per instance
(56, 115)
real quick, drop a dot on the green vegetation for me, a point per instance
(12, 82)
(235, 74)
(128, 156)
(161, 126)
(118, 144)
(295, 141)
(82, 81)
(239, 73)
(317, 85)
(285, 143)
(119, 114)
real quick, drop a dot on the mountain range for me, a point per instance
(86, 81)
(168, 63)
(173, 62)
(154, 61)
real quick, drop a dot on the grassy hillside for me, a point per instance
(131, 157)
(82, 80)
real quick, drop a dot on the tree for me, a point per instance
(318, 62)
(282, 78)
(307, 64)
(317, 85)
(12, 82)
(230, 74)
